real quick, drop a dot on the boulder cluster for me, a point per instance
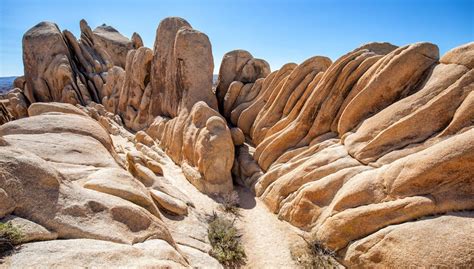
(166, 91)
(371, 156)
(366, 154)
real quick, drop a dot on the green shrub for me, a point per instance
(314, 255)
(10, 236)
(225, 242)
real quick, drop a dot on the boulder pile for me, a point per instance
(363, 151)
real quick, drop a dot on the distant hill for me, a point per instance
(6, 83)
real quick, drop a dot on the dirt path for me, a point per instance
(266, 239)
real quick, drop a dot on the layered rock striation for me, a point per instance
(368, 145)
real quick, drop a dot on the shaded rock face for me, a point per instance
(349, 150)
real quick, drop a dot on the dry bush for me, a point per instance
(10, 237)
(314, 255)
(225, 241)
(230, 202)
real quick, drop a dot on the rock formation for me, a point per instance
(356, 149)
(370, 155)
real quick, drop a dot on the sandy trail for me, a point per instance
(266, 239)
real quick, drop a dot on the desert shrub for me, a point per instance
(225, 242)
(230, 202)
(314, 255)
(10, 236)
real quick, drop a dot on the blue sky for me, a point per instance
(278, 31)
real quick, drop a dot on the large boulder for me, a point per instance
(135, 95)
(114, 43)
(60, 68)
(442, 241)
(33, 168)
(48, 72)
(239, 65)
(181, 71)
(95, 253)
(202, 143)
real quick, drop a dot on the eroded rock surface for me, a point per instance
(349, 150)
(65, 159)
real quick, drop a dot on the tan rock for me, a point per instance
(48, 174)
(238, 65)
(115, 44)
(48, 72)
(19, 82)
(29, 230)
(112, 88)
(248, 116)
(194, 67)
(5, 115)
(202, 141)
(442, 241)
(137, 41)
(396, 73)
(119, 183)
(295, 83)
(17, 104)
(231, 63)
(96, 253)
(169, 203)
(8, 204)
(134, 101)
(181, 72)
(238, 136)
(414, 118)
(231, 96)
(462, 55)
(40, 108)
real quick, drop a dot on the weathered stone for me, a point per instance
(96, 253)
(29, 230)
(169, 203)
(442, 241)
(40, 108)
(239, 65)
(115, 44)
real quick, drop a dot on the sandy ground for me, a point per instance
(266, 239)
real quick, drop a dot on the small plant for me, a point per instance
(314, 255)
(230, 202)
(225, 242)
(10, 236)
